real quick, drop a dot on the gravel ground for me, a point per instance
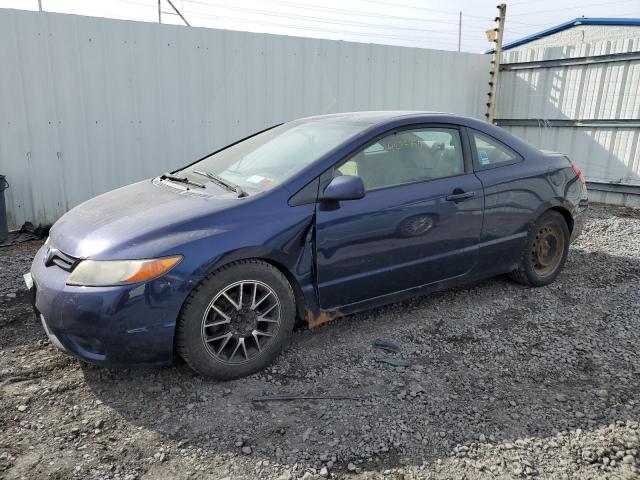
(504, 382)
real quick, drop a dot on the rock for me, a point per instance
(305, 434)
(628, 459)
(588, 456)
(246, 450)
(351, 467)
(602, 393)
(324, 471)
(561, 397)
(22, 408)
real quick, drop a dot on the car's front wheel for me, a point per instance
(236, 321)
(545, 252)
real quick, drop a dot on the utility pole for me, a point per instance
(40, 5)
(178, 12)
(495, 35)
(175, 9)
(460, 31)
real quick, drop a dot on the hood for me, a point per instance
(150, 213)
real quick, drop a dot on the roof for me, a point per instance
(627, 22)
(399, 118)
(371, 117)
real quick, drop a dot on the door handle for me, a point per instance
(459, 195)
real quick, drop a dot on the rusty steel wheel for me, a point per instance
(547, 249)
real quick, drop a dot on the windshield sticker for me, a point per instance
(256, 179)
(265, 182)
(484, 157)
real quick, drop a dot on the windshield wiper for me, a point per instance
(223, 183)
(173, 178)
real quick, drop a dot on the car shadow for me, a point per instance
(494, 361)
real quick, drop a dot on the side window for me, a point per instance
(407, 156)
(491, 152)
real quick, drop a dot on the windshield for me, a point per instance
(268, 158)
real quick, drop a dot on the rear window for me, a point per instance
(491, 152)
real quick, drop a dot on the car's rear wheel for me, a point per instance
(545, 252)
(236, 321)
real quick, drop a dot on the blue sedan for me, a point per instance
(312, 220)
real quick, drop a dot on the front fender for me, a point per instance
(288, 247)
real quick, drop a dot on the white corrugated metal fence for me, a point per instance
(583, 100)
(89, 104)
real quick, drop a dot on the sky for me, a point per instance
(416, 23)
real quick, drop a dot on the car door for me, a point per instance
(419, 222)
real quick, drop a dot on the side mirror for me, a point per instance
(344, 187)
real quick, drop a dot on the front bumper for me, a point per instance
(119, 326)
(52, 338)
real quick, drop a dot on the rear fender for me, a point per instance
(564, 207)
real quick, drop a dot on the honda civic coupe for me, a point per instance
(312, 219)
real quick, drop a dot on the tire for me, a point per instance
(545, 252)
(249, 300)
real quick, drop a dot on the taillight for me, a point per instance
(578, 172)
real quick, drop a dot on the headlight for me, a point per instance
(106, 273)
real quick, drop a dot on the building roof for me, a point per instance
(629, 22)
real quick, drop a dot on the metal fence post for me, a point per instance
(496, 34)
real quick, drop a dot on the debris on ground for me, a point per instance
(386, 345)
(26, 233)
